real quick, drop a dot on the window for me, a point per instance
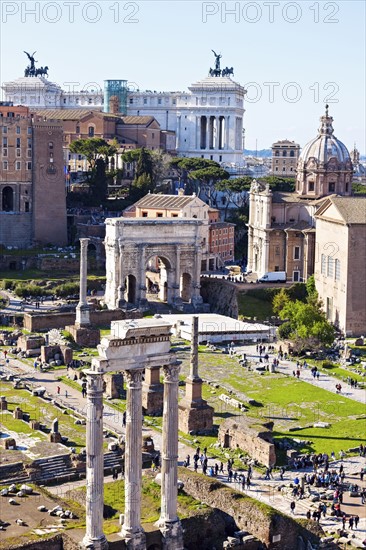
(5, 164)
(5, 152)
(152, 135)
(29, 166)
(296, 253)
(78, 129)
(18, 152)
(296, 276)
(174, 215)
(323, 264)
(18, 142)
(159, 215)
(5, 129)
(144, 214)
(90, 101)
(277, 250)
(347, 187)
(29, 153)
(17, 165)
(159, 101)
(18, 130)
(145, 101)
(277, 267)
(292, 153)
(311, 186)
(331, 187)
(91, 131)
(131, 100)
(29, 130)
(29, 143)
(26, 206)
(284, 153)
(330, 267)
(276, 169)
(5, 141)
(337, 266)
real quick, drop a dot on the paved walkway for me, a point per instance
(325, 381)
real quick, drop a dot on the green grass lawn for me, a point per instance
(44, 412)
(249, 306)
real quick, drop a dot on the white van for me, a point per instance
(273, 277)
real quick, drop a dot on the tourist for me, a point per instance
(363, 496)
(248, 482)
(124, 419)
(243, 482)
(66, 394)
(308, 514)
(216, 469)
(221, 470)
(350, 523)
(282, 471)
(188, 460)
(292, 506)
(344, 519)
(267, 474)
(58, 390)
(356, 520)
(115, 473)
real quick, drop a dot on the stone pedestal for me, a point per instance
(169, 523)
(194, 412)
(94, 536)
(132, 531)
(55, 437)
(84, 336)
(34, 424)
(18, 413)
(3, 403)
(152, 392)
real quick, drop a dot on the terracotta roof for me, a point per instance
(165, 201)
(352, 209)
(66, 114)
(139, 120)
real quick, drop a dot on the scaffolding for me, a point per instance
(115, 96)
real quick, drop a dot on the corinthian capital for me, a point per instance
(133, 378)
(171, 373)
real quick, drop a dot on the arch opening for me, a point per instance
(8, 199)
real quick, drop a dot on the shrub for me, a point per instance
(284, 331)
(328, 365)
(66, 289)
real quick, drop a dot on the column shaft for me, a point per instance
(82, 309)
(169, 523)
(132, 530)
(94, 463)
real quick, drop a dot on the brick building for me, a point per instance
(32, 180)
(130, 132)
(219, 241)
(285, 154)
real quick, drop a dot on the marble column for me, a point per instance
(82, 309)
(94, 536)
(196, 279)
(132, 531)
(169, 523)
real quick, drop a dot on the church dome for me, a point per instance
(325, 147)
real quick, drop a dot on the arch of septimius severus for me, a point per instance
(131, 242)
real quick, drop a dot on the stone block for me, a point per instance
(152, 399)
(10, 443)
(3, 403)
(55, 437)
(84, 336)
(18, 413)
(34, 424)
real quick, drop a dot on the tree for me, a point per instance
(280, 300)
(235, 191)
(307, 323)
(186, 166)
(91, 149)
(206, 179)
(279, 184)
(98, 185)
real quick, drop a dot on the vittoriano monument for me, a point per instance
(217, 71)
(31, 69)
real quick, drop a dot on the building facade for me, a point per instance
(32, 181)
(207, 119)
(281, 228)
(340, 274)
(285, 155)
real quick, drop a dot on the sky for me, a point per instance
(293, 57)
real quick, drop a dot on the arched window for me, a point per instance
(8, 199)
(284, 153)
(292, 153)
(91, 131)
